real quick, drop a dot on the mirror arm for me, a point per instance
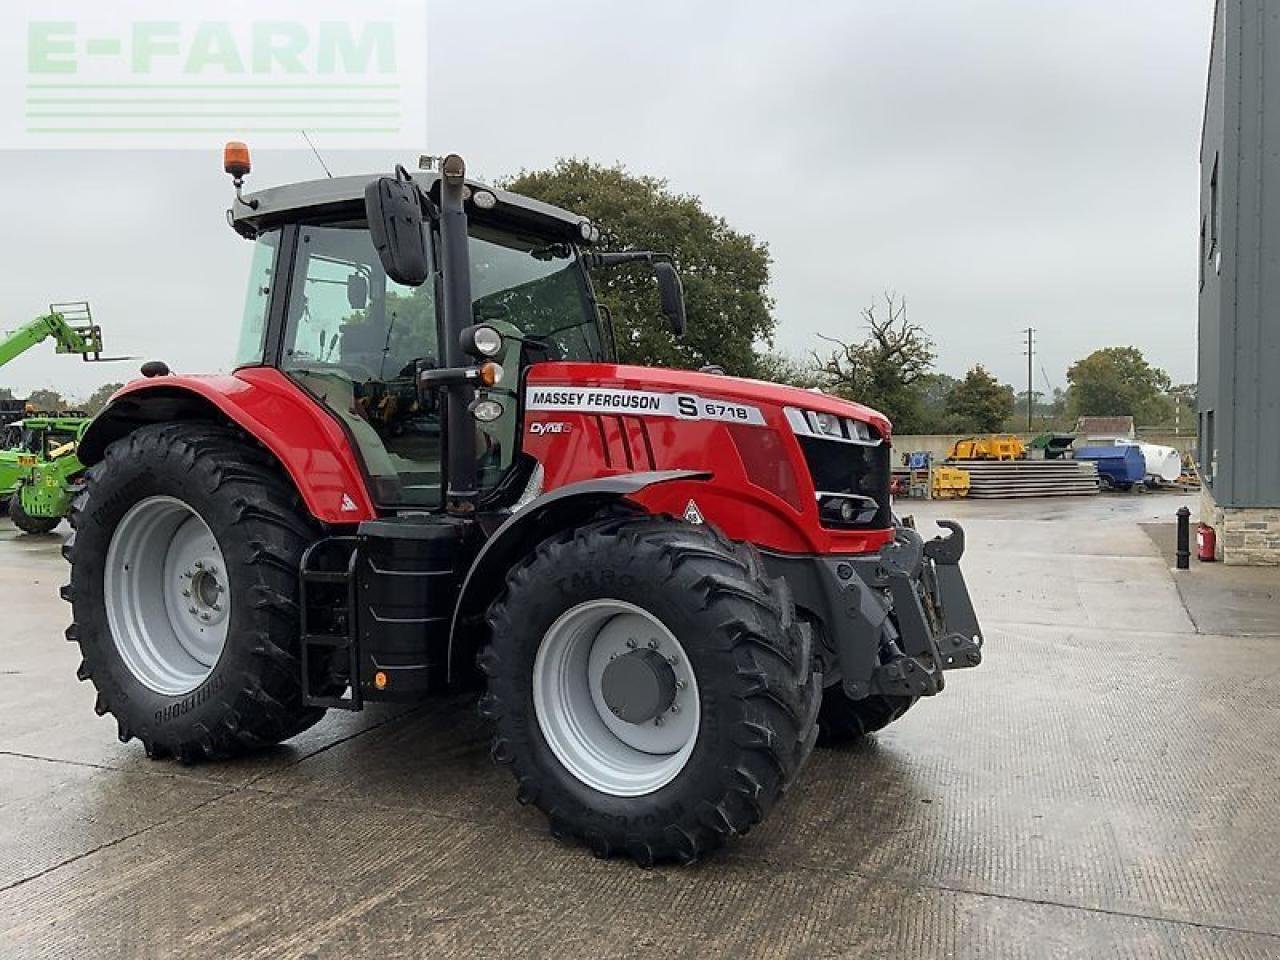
(622, 257)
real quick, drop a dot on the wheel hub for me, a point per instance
(203, 591)
(639, 686)
(616, 697)
(167, 595)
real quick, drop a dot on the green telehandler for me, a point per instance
(38, 464)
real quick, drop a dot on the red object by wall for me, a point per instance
(1206, 543)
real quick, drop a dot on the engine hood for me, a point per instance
(706, 385)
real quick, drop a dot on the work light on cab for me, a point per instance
(481, 340)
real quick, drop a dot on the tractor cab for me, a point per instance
(322, 308)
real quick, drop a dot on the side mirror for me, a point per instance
(357, 291)
(671, 295)
(397, 227)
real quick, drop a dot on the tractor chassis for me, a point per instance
(377, 610)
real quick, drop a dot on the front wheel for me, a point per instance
(842, 720)
(650, 687)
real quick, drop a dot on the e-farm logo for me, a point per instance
(194, 74)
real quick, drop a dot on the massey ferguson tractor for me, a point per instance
(428, 473)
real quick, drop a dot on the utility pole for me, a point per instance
(1030, 384)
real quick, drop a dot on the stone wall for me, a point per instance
(1247, 536)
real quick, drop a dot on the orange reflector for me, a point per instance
(380, 680)
(235, 159)
(490, 373)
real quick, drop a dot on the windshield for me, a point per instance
(525, 286)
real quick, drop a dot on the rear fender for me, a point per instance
(308, 443)
(560, 509)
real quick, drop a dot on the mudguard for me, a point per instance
(309, 443)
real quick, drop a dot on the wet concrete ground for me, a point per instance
(1105, 785)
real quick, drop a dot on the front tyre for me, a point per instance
(842, 720)
(184, 590)
(650, 687)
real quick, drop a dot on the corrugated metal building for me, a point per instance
(1239, 349)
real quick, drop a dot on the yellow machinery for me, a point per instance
(1006, 447)
(950, 482)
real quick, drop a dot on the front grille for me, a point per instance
(851, 468)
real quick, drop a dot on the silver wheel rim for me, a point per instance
(599, 748)
(167, 595)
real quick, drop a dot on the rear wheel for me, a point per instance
(27, 523)
(650, 687)
(184, 587)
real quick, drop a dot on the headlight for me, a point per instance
(825, 423)
(486, 411)
(846, 510)
(829, 426)
(481, 340)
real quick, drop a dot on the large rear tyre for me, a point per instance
(27, 523)
(650, 687)
(184, 589)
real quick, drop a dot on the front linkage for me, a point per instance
(897, 619)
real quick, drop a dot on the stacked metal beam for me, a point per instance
(1002, 479)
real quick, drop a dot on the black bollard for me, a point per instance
(1184, 538)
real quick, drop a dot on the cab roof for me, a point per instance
(317, 198)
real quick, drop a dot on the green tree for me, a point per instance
(98, 399)
(1117, 382)
(783, 368)
(725, 273)
(935, 388)
(47, 401)
(883, 371)
(980, 403)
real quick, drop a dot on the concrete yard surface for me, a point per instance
(1104, 785)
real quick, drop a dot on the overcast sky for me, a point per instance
(1001, 163)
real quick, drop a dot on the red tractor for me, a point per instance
(427, 473)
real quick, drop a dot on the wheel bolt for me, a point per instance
(631, 644)
(186, 593)
(679, 684)
(657, 721)
(199, 564)
(653, 644)
(191, 609)
(675, 708)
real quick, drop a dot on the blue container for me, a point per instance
(1119, 467)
